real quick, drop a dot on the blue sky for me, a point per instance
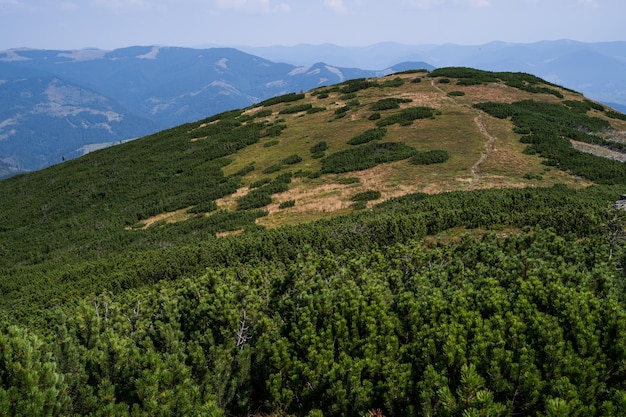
(109, 24)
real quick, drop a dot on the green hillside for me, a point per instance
(427, 243)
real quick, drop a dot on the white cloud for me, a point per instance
(336, 6)
(432, 4)
(252, 6)
(480, 3)
(121, 4)
(424, 4)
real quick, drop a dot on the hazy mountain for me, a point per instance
(596, 69)
(57, 102)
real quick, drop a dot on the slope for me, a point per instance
(495, 289)
(288, 160)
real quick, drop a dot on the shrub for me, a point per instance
(430, 157)
(275, 130)
(374, 116)
(319, 147)
(368, 136)
(260, 183)
(389, 103)
(296, 109)
(205, 207)
(348, 180)
(286, 98)
(396, 82)
(273, 168)
(406, 116)
(315, 110)
(292, 159)
(287, 204)
(456, 93)
(366, 156)
(263, 113)
(342, 110)
(366, 196)
(271, 143)
(348, 96)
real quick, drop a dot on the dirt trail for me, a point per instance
(480, 123)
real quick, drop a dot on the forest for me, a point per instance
(484, 302)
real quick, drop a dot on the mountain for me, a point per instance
(46, 119)
(597, 69)
(425, 243)
(147, 88)
(56, 104)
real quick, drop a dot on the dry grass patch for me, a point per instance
(169, 217)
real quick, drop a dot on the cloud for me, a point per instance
(480, 3)
(336, 6)
(121, 4)
(432, 4)
(252, 6)
(424, 4)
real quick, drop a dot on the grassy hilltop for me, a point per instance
(427, 243)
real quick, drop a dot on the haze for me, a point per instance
(110, 24)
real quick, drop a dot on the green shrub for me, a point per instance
(348, 180)
(368, 136)
(263, 113)
(273, 168)
(348, 96)
(287, 204)
(260, 183)
(430, 157)
(292, 159)
(366, 156)
(396, 82)
(296, 109)
(456, 93)
(319, 147)
(407, 116)
(374, 116)
(275, 130)
(315, 110)
(366, 196)
(286, 98)
(359, 205)
(389, 103)
(245, 170)
(205, 207)
(271, 143)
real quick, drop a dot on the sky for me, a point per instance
(110, 24)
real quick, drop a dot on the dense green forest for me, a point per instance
(493, 302)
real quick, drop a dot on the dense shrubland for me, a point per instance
(498, 302)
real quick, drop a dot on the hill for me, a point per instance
(425, 243)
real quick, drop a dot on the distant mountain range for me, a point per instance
(598, 70)
(56, 105)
